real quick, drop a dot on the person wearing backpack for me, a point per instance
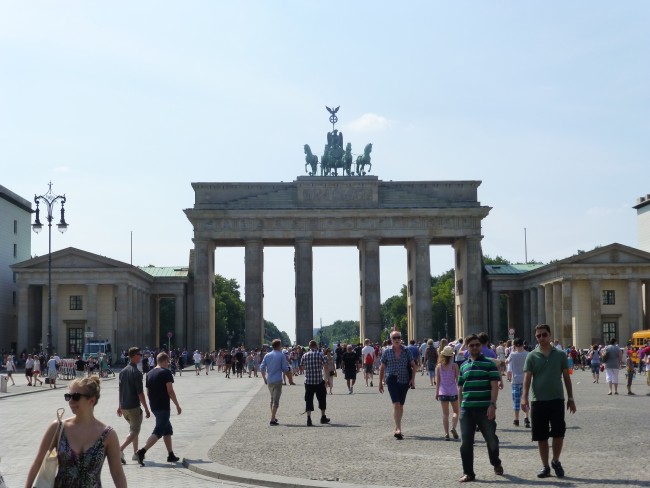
(368, 355)
(431, 360)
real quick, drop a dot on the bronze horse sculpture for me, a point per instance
(311, 160)
(364, 160)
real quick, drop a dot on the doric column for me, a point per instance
(26, 337)
(534, 313)
(202, 331)
(151, 336)
(520, 329)
(123, 337)
(541, 307)
(548, 305)
(91, 309)
(56, 345)
(556, 327)
(303, 264)
(646, 304)
(369, 282)
(137, 336)
(469, 285)
(596, 319)
(635, 311)
(567, 316)
(419, 290)
(179, 319)
(495, 314)
(254, 290)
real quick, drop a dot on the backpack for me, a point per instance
(370, 359)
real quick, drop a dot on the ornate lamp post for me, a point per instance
(48, 200)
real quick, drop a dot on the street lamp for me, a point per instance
(48, 200)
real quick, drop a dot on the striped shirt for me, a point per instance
(476, 377)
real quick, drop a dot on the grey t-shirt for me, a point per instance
(613, 352)
(516, 361)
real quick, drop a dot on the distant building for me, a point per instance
(643, 222)
(586, 299)
(15, 246)
(97, 296)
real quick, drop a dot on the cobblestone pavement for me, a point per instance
(223, 436)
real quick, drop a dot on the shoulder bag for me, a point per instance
(50, 465)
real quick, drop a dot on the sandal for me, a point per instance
(398, 436)
(466, 478)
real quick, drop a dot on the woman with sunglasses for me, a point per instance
(85, 442)
(398, 368)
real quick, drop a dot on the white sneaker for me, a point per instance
(134, 457)
(122, 457)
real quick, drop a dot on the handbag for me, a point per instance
(50, 465)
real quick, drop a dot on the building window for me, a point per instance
(13, 297)
(609, 297)
(75, 341)
(76, 302)
(15, 274)
(609, 331)
(15, 250)
(15, 227)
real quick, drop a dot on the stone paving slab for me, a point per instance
(224, 438)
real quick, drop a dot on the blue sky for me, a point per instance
(124, 104)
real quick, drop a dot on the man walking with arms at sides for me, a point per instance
(131, 396)
(275, 363)
(368, 355)
(516, 362)
(478, 388)
(543, 369)
(160, 389)
(349, 365)
(314, 362)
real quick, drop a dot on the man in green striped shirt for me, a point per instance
(478, 388)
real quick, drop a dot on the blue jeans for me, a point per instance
(469, 419)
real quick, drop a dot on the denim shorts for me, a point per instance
(163, 425)
(397, 391)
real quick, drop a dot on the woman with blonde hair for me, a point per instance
(84, 444)
(447, 389)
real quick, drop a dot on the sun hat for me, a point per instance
(448, 351)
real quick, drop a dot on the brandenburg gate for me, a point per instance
(360, 211)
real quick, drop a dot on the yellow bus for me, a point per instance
(639, 339)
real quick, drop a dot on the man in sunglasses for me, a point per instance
(131, 398)
(543, 369)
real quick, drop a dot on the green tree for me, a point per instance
(167, 321)
(229, 312)
(394, 313)
(340, 331)
(272, 332)
(443, 305)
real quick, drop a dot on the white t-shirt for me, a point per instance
(365, 351)
(197, 358)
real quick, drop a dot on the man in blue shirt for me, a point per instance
(275, 364)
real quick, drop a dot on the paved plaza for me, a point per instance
(224, 438)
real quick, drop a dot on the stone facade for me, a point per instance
(363, 212)
(586, 299)
(643, 222)
(15, 246)
(114, 300)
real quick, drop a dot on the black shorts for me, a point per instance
(544, 415)
(350, 374)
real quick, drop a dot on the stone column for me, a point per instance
(596, 319)
(419, 292)
(134, 322)
(179, 319)
(635, 312)
(474, 282)
(123, 338)
(202, 335)
(495, 314)
(303, 264)
(541, 307)
(26, 335)
(369, 282)
(254, 290)
(520, 329)
(144, 311)
(646, 304)
(56, 346)
(91, 312)
(548, 305)
(534, 313)
(556, 327)
(567, 316)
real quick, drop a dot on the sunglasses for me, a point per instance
(396, 338)
(476, 344)
(543, 334)
(74, 396)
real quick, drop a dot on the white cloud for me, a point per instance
(369, 123)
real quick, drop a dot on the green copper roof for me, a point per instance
(165, 272)
(511, 269)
